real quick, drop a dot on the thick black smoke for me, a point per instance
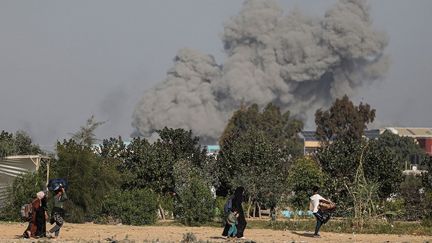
(298, 62)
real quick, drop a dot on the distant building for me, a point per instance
(422, 135)
(311, 143)
(212, 149)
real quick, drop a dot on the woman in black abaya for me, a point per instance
(237, 204)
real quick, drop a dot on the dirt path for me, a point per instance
(9, 232)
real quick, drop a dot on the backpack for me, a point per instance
(55, 184)
(26, 211)
(228, 205)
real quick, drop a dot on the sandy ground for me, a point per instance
(10, 232)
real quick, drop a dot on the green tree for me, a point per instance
(194, 204)
(381, 167)
(250, 127)
(86, 134)
(340, 158)
(7, 146)
(112, 148)
(260, 167)
(343, 120)
(24, 144)
(148, 165)
(152, 165)
(341, 129)
(403, 149)
(18, 144)
(383, 164)
(304, 174)
(182, 145)
(88, 176)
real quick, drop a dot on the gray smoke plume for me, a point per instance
(298, 62)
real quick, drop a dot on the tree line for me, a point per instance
(260, 149)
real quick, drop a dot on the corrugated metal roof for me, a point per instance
(13, 166)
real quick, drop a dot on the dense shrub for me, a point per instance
(427, 219)
(303, 176)
(134, 207)
(22, 191)
(411, 192)
(219, 208)
(194, 203)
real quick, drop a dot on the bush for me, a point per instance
(22, 191)
(195, 204)
(427, 219)
(219, 208)
(411, 194)
(135, 207)
(304, 174)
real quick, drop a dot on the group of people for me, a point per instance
(235, 222)
(39, 215)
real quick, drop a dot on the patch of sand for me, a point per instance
(10, 232)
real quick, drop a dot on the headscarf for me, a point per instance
(40, 195)
(238, 199)
(238, 194)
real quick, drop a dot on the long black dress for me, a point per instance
(237, 204)
(41, 218)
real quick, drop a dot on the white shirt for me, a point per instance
(315, 202)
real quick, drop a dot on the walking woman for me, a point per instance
(34, 226)
(237, 201)
(58, 212)
(41, 216)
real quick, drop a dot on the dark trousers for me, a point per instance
(226, 229)
(318, 225)
(322, 218)
(40, 223)
(57, 218)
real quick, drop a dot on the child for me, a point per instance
(232, 220)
